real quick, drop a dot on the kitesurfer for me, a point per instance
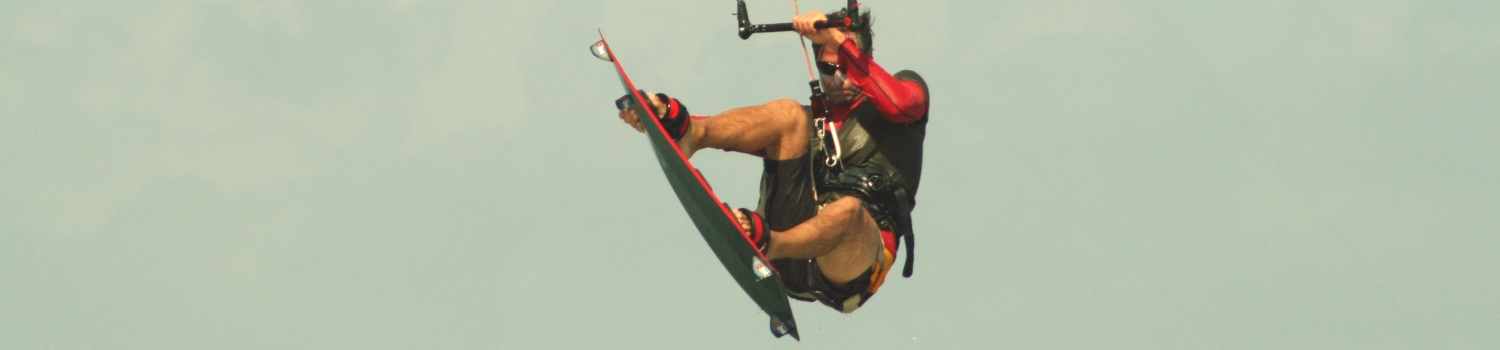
(832, 206)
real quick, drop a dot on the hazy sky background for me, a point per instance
(1140, 174)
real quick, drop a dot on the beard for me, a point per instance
(838, 89)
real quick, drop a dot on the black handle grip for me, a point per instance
(783, 27)
(745, 31)
(835, 20)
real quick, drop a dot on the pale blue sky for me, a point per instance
(1141, 174)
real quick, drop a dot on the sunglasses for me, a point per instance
(827, 68)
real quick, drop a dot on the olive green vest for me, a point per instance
(866, 137)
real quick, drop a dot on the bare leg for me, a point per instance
(777, 129)
(842, 237)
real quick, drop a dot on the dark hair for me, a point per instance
(860, 29)
(866, 35)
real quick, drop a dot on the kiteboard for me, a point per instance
(715, 221)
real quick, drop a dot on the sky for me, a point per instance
(1136, 174)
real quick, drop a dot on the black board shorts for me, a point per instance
(787, 199)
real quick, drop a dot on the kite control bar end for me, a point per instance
(846, 18)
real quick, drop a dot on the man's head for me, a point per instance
(859, 31)
(840, 90)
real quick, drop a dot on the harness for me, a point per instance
(889, 202)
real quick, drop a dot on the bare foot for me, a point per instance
(744, 221)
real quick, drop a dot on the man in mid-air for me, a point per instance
(837, 190)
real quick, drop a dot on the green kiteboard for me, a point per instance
(715, 221)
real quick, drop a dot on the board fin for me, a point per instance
(780, 328)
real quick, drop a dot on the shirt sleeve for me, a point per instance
(899, 101)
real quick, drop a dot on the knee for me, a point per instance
(848, 210)
(784, 104)
(789, 113)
